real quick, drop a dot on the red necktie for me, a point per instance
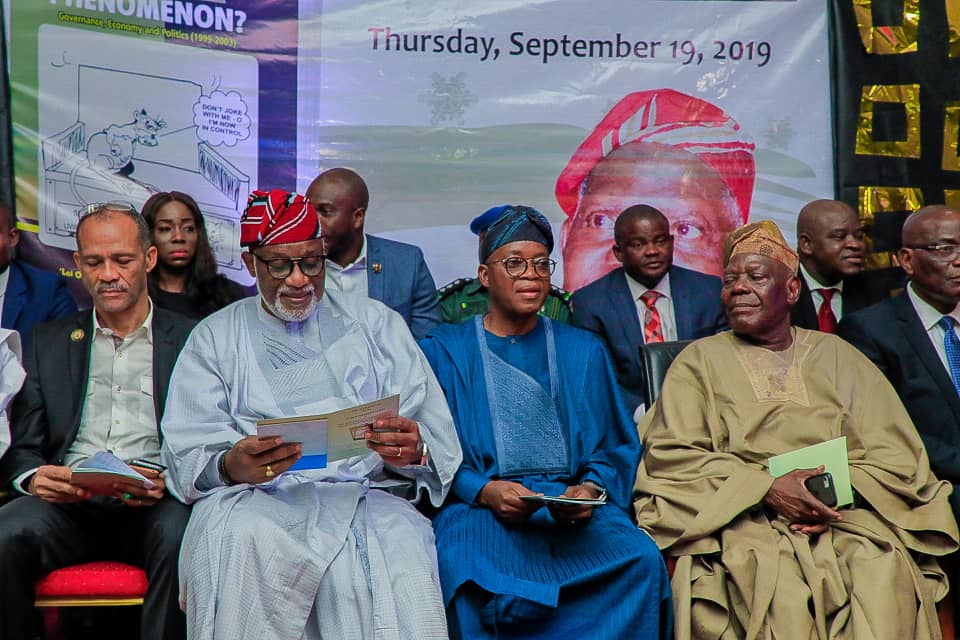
(825, 317)
(651, 318)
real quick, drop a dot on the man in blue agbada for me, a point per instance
(538, 412)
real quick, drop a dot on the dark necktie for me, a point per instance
(825, 317)
(952, 347)
(652, 332)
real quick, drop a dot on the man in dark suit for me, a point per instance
(95, 381)
(832, 282)
(30, 296)
(912, 338)
(648, 299)
(394, 273)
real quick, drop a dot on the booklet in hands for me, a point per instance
(99, 474)
(832, 454)
(593, 502)
(331, 436)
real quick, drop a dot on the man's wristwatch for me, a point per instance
(222, 469)
(600, 490)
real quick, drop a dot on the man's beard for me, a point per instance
(285, 313)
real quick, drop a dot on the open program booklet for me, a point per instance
(102, 471)
(331, 436)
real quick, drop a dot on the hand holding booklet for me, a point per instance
(832, 454)
(332, 436)
(102, 471)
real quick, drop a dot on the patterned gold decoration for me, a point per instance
(951, 131)
(953, 27)
(874, 200)
(775, 376)
(890, 39)
(951, 198)
(906, 94)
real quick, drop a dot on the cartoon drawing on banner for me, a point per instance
(133, 130)
(113, 147)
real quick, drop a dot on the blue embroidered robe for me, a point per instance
(542, 579)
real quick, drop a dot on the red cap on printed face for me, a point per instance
(672, 118)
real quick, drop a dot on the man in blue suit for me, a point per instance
(29, 296)
(394, 273)
(648, 299)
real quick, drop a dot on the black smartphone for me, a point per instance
(822, 488)
(146, 464)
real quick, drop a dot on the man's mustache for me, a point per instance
(111, 286)
(285, 289)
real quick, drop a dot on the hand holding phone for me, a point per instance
(822, 488)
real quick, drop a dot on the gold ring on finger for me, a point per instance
(269, 472)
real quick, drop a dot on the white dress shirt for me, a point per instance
(663, 305)
(929, 318)
(836, 303)
(351, 279)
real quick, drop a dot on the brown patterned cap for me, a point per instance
(761, 238)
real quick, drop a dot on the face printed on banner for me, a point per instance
(692, 195)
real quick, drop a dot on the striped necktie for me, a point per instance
(952, 347)
(652, 331)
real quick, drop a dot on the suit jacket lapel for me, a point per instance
(624, 307)
(15, 297)
(683, 305)
(164, 356)
(916, 334)
(804, 312)
(78, 363)
(374, 276)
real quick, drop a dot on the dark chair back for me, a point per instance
(655, 359)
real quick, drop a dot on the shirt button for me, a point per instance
(118, 387)
(116, 422)
(120, 355)
(513, 341)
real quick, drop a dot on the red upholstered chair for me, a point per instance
(92, 584)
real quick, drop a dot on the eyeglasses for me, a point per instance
(281, 268)
(516, 266)
(113, 205)
(944, 252)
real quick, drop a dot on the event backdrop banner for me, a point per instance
(897, 71)
(714, 112)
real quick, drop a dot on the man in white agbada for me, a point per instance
(323, 553)
(12, 376)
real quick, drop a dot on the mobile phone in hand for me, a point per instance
(146, 464)
(822, 488)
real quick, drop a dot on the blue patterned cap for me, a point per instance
(479, 224)
(518, 223)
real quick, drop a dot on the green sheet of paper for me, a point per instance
(832, 454)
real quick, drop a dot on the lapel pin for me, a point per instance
(76, 335)
(377, 267)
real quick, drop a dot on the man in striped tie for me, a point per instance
(648, 299)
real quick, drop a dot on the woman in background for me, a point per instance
(185, 279)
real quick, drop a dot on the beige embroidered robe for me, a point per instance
(726, 407)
